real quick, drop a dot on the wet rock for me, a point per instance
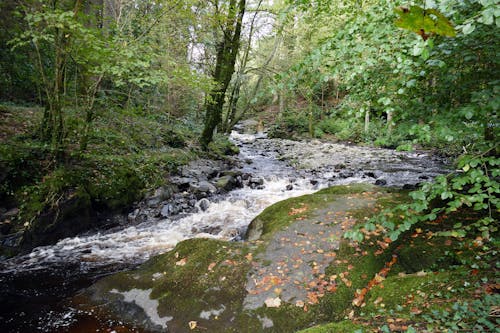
(289, 187)
(202, 189)
(410, 186)
(132, 215)
(212, 230)
(228, 183)
(143, 217)
(166, 210)
(381, 182)
(183, 183)
(346, 174)
(153, 202)
(203, 204)
(165, 192)
(246, 176)
(255, 182)
(370, 174)
(202, 169)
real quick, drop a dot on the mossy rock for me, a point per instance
(222, 147)
(252, 286)
(276, 216)
(200, 280)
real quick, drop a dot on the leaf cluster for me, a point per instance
(476, 187)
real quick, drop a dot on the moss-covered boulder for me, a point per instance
(291, 276)
(297, 273)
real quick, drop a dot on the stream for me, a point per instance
(33, 286)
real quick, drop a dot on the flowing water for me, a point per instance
(32, 286)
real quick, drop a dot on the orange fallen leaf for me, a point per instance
(312, 298)
(415, 310)
(181, 262)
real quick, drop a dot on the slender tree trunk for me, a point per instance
(89, 111)
(231, 114)
(389, 122)
(367, 119)
(227, 51)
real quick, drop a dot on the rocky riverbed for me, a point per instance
(212, 200)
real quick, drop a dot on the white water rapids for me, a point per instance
(231, 214)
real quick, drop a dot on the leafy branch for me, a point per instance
(476, 187)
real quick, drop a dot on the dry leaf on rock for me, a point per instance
(273, 302)
(181, 262)
(192, 325)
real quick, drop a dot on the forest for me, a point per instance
(104, 105)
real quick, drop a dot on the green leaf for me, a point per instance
(468, 28)
(424, 22)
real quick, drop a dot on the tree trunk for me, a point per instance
(227, 51)
(389, 122)
(367, 119)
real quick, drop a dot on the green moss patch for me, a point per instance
(286, 212)
(340, 327)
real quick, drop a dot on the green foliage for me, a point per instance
(424, 22)
(20, 165)
(431, 88)
(473, 316)
(128, 153)
(476, 188)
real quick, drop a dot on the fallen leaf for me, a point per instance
(312, 298)
(415, 310)
(181, 262)
(192, 325)
(273, 302)
(378, 278)
(357, 301)
(351, 314)
(211, 266)
(331, 288)
(300, 304)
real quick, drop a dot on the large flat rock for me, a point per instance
(278, 281)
